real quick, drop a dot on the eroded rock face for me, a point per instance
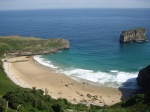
(143, 78)
(133, 35)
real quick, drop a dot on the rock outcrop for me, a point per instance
(143, 79)
(133, 35)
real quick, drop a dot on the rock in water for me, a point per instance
(143, 78)
(133, 35)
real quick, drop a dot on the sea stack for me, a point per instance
(133, 35)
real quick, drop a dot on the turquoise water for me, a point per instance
(95, 54)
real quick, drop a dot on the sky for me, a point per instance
(65, 4)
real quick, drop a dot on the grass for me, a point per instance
(16, 44)
(6, 85)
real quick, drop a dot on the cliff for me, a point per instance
(26, 46)
(143, 78)
(133, 35)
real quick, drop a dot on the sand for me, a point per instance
(28, 73)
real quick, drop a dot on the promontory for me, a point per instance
(133, 35)
(26, 46)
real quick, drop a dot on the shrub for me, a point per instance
(2, 105)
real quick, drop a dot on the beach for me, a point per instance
(26, 72)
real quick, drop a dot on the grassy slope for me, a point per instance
(30, 44)
(6, 84)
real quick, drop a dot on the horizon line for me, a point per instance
(66, 9)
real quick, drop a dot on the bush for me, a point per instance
(3, 104)
(57, 108)
(34, 99)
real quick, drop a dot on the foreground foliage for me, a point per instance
(35, 100)
(32, 100)
(138, 103)
(6, 84)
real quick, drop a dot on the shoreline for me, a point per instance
(28, 73)
(107, 78)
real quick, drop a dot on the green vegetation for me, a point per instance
(140, 103)
(6, 84)
(33, 100)
(30, 45)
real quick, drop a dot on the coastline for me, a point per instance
(27, 72)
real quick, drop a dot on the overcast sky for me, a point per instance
(55, 4)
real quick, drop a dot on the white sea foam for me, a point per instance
(44, 62)
(114, 71)
(119, 79)
(113, 78)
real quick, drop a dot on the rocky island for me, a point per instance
(133, 35)
(13, 46)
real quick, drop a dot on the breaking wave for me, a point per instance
(111, 78)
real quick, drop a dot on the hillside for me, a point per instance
(26, 46)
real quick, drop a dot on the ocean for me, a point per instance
(95, 53)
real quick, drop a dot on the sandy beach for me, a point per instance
(28, 73)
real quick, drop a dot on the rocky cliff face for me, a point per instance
(143, 78)
(133, 35)
(27, 46)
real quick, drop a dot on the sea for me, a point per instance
(95, 55)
